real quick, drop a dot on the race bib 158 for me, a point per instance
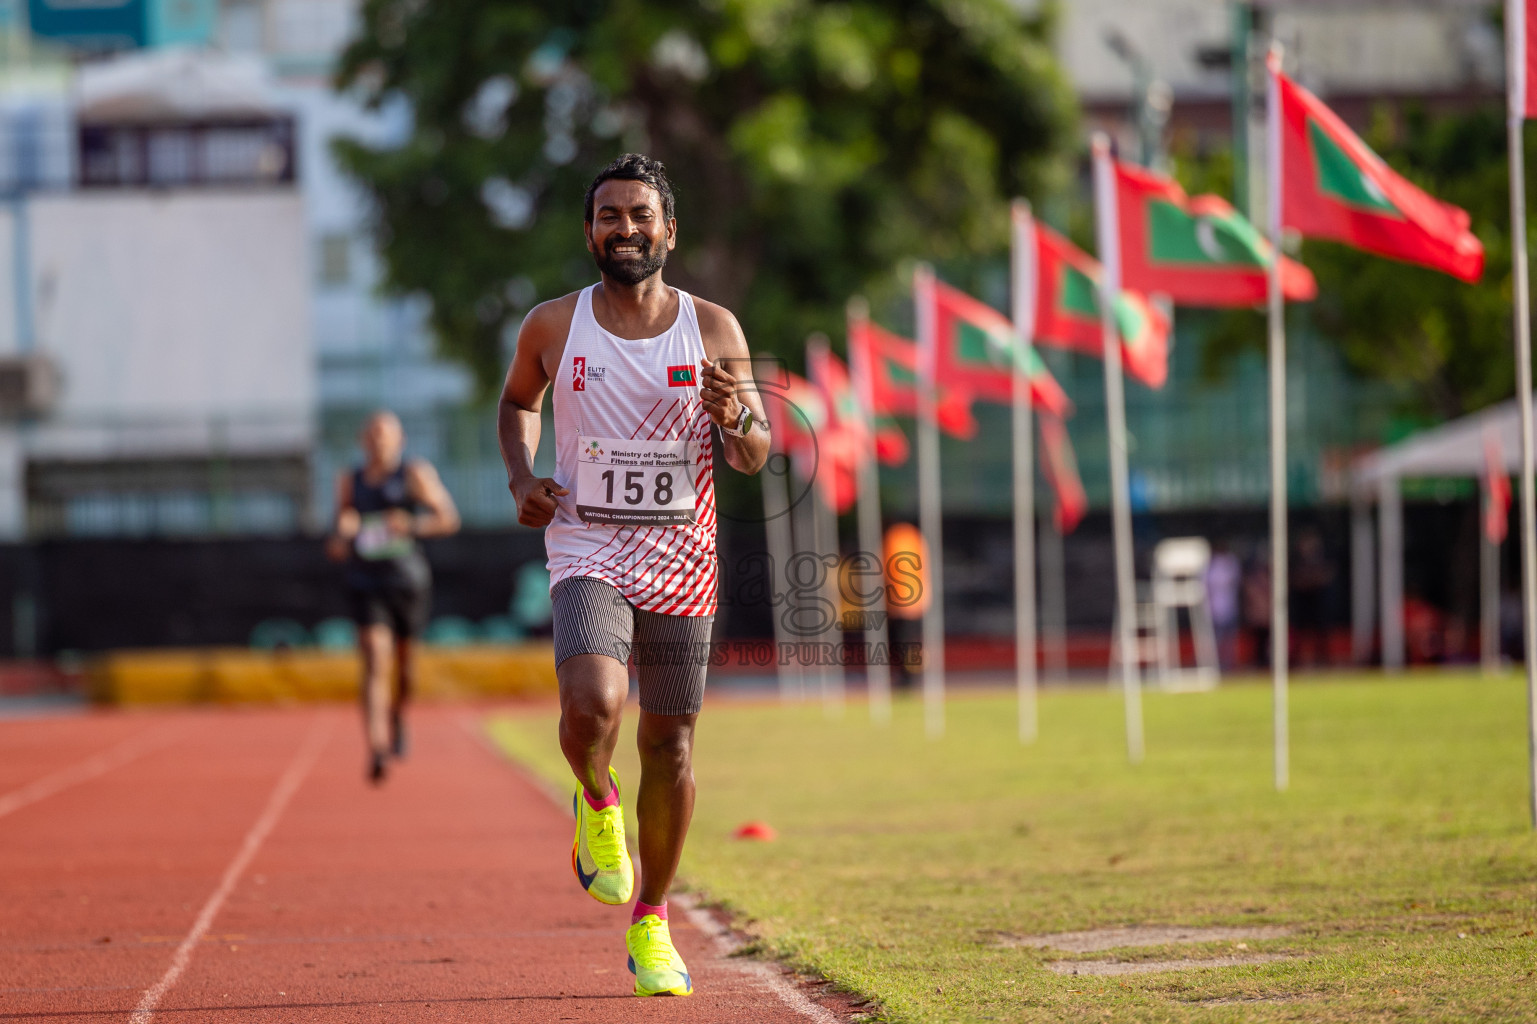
(635, 483)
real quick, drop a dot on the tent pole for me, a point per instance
(1489, 589)
(1390, 571)
(1363, 590)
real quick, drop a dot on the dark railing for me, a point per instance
(259, 151)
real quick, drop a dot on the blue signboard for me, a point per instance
(184, 22)
(99, 25)
(90, 24)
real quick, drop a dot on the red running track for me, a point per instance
(228, 865)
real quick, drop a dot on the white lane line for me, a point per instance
(756, 972)
(84, 771)
(298, 768)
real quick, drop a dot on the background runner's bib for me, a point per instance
(375, 540)
(648, 483)
(652, 538)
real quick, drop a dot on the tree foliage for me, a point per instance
(1446, 343)
(815, 146)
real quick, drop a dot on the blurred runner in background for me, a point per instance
(382, 507)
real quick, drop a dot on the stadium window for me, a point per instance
(335, 260)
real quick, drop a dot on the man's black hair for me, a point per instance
(633, 167)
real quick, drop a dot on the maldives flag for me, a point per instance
(804, 426)
(1061, 469)
(1198, 251)
(976, 348)
(845, 437)
(1067, 310)
(892, 363)
(1497, 486)
(1336, 187)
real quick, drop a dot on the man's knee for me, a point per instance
(592, 693)
(667, 745)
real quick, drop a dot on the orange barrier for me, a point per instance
(239, 676)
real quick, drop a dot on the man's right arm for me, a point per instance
(517, 414)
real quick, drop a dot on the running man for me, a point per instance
(640, 371)
(382, 506)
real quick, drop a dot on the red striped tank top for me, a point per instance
(613, 395)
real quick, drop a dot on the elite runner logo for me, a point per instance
(578, 373)
(680, 376)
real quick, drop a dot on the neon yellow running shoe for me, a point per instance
(658, 969)
(598, 855)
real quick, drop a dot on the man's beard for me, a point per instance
(632, 271)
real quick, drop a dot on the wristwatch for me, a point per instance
(743, 424)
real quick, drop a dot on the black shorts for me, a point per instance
(671, 651)
(403, 609)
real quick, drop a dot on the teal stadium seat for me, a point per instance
(274, 634)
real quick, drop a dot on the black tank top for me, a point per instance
(380, 559)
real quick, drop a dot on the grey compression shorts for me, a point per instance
(671, 651)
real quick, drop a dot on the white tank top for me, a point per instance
(644, 390)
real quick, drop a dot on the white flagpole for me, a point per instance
(805, 516)
(824, 534)
(877, 668)
(776, 526)
(1515, 38)
(930, 509)
(1024, 289)
(1280, 635)
(1108, 231)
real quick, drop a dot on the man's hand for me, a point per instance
(535, 497)
(717, 390)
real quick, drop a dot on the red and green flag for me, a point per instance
(1067, 311)
(976, 348)
(805, 427)
(893, 368)
(1335, 187)
(1198, 251)
(1061, 468)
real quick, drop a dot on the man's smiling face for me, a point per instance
(628, 236)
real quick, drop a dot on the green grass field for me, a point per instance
(1401, 859)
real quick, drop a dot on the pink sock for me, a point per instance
(642, 909)
(612, 800)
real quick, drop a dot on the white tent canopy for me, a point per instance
(175, 85)
(1453, 449)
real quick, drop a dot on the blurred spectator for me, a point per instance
(1312, 573)
(1223, 575)
(1256, 607)
(1424, 631)
(1512, 627)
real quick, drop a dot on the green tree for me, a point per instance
(1446, 343)
(815, 146)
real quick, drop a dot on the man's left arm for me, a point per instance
(726, 388)
(442, 517)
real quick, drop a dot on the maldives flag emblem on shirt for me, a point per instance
(680, 376)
